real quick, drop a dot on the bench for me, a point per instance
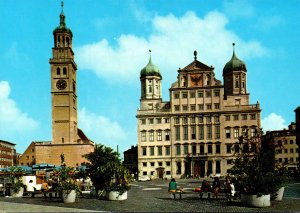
(37, 189)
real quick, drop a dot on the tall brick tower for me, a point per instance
(63, 85)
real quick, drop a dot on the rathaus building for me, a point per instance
(193, 133)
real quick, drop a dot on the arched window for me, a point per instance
(68, 42)
(65, 71)
(58, 71)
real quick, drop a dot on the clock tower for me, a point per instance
(63, 86)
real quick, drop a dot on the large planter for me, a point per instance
(69, 197)
(18, 193)
(255, 201)
(279, 194)
(115, 195)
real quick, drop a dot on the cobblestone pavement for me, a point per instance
(151, 196)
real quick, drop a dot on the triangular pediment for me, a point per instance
(197, 65)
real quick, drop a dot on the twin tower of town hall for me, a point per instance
(192, 134)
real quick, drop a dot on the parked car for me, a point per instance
(143, 178)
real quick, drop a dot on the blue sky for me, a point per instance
(111, 40)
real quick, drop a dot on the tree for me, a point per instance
(101, 165)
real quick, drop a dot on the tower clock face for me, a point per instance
(61, 84)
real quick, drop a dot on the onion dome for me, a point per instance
(150, 69)
(234, 64)
(62, 28)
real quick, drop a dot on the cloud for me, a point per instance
(273, 122)
(100, 129)
(238, 8)
(173, 41)
(12, 119)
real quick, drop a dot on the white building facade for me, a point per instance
(194, 133)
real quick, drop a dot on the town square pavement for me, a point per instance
(151, 196)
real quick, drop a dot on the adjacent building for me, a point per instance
(193, 133)
(7, 154)
(286, 147)
(66, 137)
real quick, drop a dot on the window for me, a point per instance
(144, 164)
(184, 95)
(159, 163)
(193, 120)
(192, 95)
(151, 120)
(208, 106)
(217, 106)
(252, 116)
(177, 133)
(178, 150)
(217, 119)
(152, 164)
(291, 141)
(65, 71)
(151, 150)
(216, 93)
(209, 149)
(176, 95)
(193, 107)
(143, 136)
(167, 150)
(217, 132)
(185, 149)
(176, 107)
(159, 150)
(236, 117)
(209, 132)
(200, 119)
(208, 94)
(227, 117)
(177, 120)
(208, 119)
(236, 133)
(168, 163)
(158, 120)
(58, 71)
(201, 132)
(151, 136)
(201, 149)
(159, 136)
(244, 116)
(167, 120)
(291, 150)
(185, 133)
(252, 132)
(184, 107)
(200, 106)
(185, 120)
(193, 129)
(200, 94)
(178, 168)
(167, 135)
(143, 121)
(218, 148)
(228, 148)
(227, 133)
(144, 151)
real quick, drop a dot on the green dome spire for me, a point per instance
(150, 69)
(234, 64)
(62, 25)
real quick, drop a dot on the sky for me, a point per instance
(111, 42)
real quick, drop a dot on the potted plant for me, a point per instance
(15, 184)
(107, 173)
(118, 186)
(254, 169)
(67, 187)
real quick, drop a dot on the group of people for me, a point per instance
(214, 188)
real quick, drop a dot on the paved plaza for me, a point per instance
(151, 196)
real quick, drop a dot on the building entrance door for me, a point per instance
(199, 168)
(160, 173)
